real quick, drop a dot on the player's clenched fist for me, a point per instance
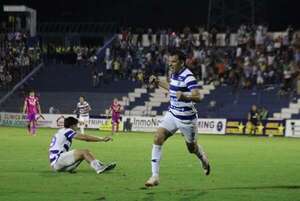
(153, 80)
(180, 95)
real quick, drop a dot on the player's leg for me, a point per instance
(190, 133)
(81, 124)
(86, 121)
(29, 127)
(31, 119)
(113, 125)
(98, 166)
(160, 137)
(33, 127)
(117, 126)
(29, 123)
(67, 162)
(195, 148)
(165, 130)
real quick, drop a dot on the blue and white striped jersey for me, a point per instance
(183, 81)
(61, 142)
(83, 108)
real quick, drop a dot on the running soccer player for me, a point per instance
(115, 110)
(184, 91)
(83, 109)
(62, 159)
(32, 109)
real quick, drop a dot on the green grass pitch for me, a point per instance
(243, 169)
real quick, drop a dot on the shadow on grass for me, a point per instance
(196, 194)
(257, 187)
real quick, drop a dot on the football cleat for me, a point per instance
(152, 181)
(205, 164)
(107, 167)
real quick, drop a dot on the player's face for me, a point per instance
(81, 99)
(174, 63)
(31, 93)
(74, 127)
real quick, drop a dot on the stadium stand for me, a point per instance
(251, 66)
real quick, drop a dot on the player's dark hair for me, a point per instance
(31, 90)
(175, 52)
(70, 121)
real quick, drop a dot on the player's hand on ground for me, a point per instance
(107, 138)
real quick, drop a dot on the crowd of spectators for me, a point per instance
(60, 54)
(17, 57)
(246, 58)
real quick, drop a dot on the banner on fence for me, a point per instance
(211, 126)
(245, 127)
(292, 128)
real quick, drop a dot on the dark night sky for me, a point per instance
(155, 13)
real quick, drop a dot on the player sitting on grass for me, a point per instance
(62, 159)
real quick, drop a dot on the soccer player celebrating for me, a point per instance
(31, 108)
(115, 110)
(83, 109)
(62, 159)
(184, 91)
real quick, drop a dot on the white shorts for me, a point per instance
(66, 162)
(84, 119)
(188, 129)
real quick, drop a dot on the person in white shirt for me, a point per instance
(83, 109)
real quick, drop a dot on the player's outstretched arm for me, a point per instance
(90, 138)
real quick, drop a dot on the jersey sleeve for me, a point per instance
(191, 82)
(70, 134)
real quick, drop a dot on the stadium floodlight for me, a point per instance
(30, 19)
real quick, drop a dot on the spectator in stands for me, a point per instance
(227, 36)
(253, 118)
(263, 114)
(214, 36)
(17, 57)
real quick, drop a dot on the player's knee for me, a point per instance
(191, 148)
(159, 139)
(84, 151)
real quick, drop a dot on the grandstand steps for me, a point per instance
(158, 101)
(288, 112)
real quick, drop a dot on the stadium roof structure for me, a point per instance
(224, 13)
(31, 18)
